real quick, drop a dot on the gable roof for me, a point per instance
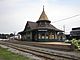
(32, 25)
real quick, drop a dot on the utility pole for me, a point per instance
(64, 28)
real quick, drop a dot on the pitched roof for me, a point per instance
(54, 28)
(33, 25)
(49, 27)
(43, 16)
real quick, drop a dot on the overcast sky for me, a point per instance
(14, 14)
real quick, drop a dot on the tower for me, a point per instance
(43, 19)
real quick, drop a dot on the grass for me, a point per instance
(7, 55)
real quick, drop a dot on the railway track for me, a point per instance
(47, 55)
(43, 45)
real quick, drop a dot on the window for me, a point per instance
(42, 24)
(46, 36)
(42, 36)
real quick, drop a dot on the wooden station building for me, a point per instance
(41, 30)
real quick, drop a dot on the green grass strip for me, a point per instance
(7, 55)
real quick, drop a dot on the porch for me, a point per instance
(45, 36)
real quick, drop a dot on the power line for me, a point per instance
(67, 18)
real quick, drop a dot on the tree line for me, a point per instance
(6, 36)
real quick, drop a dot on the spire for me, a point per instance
(43, 16)
(43, 7)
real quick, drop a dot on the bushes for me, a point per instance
(76, 43)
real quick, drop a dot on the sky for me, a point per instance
(14, 14)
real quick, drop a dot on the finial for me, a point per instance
(43, 7)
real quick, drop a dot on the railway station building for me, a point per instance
(41, 30)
